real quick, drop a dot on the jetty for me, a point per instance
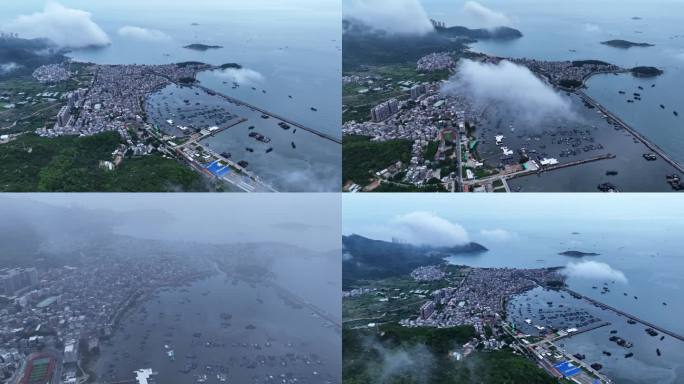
(653, 147)
(625, 314)
(271, 114)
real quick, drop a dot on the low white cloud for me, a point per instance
(485, 17)
(241, 75)
(497, 234)
(404, 17)
(426, 228)
(139, 33)
(6, 68)
(513, 88)
(680, 56)
(591, 28)
(594, 270)
(66, 27)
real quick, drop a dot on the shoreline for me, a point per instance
(582, 94)
(611, 116)
(137, 298)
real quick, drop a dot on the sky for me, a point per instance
(494, 216)
(84, 23)
(123, 7)
(311, 221)
(412, 14)
(518, 10)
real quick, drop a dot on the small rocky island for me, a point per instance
(624, 44)
(577, 254)
(202, 47)
(499, 33)
(231, 66)
(646, 71)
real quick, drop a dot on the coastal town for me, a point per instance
(114, 100)
(54, 319)
(88, 100)
(479, 299)
(474, 302)
(460, 144)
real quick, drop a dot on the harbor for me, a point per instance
(193, 334)
(606, 342)
(592, 152)
(653, 147)
(243, 146)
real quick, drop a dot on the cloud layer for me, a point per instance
(426, 228)
(514, 90)
(241, 76)
(591, 28)
(594, 270)
(139, 33)
(403, 17)
(66, 27)
(497, 234)
(486, 17)
(6, 68)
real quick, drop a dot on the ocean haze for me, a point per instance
(227, 281)
(294, 45)
(627, 243)
(635, 234)
(212, 218)
(559, 30)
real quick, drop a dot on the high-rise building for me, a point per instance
(383, 111)
(427, 309)
(70, 352)
(15, 279)
(418, 90)
(63, 116)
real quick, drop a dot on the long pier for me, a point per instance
(289, 295)
(254, 107)
(319, 312)
(652, 146)
(627, 315)
(583, 330)
(540, 170)
(265, 112)
(566, 165)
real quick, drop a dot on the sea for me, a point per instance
(636, 239)
(289, 53)
(563, 30)
(221, 329)
(638, 262)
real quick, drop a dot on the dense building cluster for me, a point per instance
(384, 110)
(115, 98)
(353, 79)
(13, 280)
(62, 308)
(436, 62)
(558, 72)
(358, 292)
(428, 273)
(420, 120)
(479, 299)
(52, 73)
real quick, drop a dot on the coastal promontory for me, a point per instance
(577, 254)
(646, 71)
(202, 47)
(624, 44)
